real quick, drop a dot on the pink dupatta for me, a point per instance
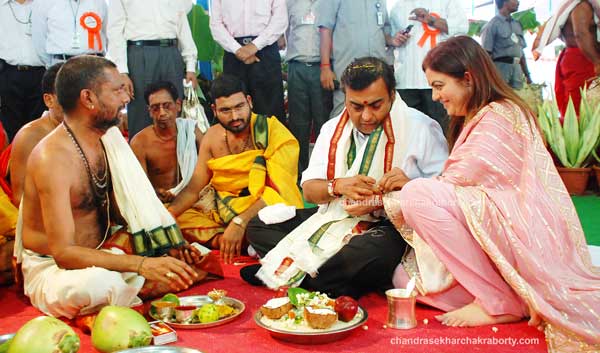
(519, 211)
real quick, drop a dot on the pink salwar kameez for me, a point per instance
(504, 229)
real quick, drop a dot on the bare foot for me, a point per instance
(473, 315)
(535, 320)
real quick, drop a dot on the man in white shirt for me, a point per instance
(248, 30)
(348, 246)
(150, 41)
(431, 21)
(21, 70)
(63, 29)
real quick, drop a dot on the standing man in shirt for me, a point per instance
(350, 30)
(63, 29)
(503, 39)
(21, 70)
(150, 41)
(432, 21)
(308, 102)
(248, 31)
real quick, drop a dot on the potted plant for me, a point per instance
(573, 141)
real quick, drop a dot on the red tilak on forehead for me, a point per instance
(365, 103)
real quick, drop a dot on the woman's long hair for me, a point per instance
(457, 55)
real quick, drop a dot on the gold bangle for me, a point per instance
(140, 265)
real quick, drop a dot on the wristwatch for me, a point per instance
(238, 221)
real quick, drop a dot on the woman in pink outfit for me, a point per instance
(496, 237)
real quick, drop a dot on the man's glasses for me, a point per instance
(237, 108)
(155, 108)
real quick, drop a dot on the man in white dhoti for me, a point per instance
(376, 145)
(65, 215)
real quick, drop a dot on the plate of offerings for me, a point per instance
(196, 311)
(310, 317)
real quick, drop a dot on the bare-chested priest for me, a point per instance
(65, 203)
(250, 160)
(167, 149)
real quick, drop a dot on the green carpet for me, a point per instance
(588, 209)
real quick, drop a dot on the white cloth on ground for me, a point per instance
(187, 152)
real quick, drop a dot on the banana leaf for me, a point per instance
(475, 27)
(544, 123)
(527, 18)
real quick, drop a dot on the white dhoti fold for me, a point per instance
(58, 292)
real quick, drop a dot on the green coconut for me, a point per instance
(117, 328)
(45, 334)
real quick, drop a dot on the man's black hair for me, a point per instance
(362, 72)
(225, 86)
(49, 78)
(79, 73)
(159, 86)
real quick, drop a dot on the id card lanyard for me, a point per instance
(379, 14)
(76, 42)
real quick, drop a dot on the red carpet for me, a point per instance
(243, 335)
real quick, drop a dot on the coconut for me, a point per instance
(117, 328)
(45, 334)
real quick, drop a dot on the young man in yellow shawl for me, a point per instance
(249, 160)
(376, 145)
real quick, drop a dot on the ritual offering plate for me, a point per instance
(197, 311)
(157, 349)
(310, 317)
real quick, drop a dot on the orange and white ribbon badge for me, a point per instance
(92, 23)
(430, 33)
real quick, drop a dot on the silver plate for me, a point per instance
(199, 300)
(4, 338)
(318, 337)
(160, 349)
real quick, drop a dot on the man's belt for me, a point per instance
(24, 67)
(314, 63)
(153, 43)
(244, 40)
(508, 60)
(67, 56)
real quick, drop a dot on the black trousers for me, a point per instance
(20, 97)
(421, 100)
(363, 265)
(262, 79)
(308, 103)
(148, 64)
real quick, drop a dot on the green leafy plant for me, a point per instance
(573, 141)
(528, 19)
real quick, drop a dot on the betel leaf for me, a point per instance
(293, 292)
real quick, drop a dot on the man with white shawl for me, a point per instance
(71, 264)
(376, 145)
(575, 22)
(168, 149)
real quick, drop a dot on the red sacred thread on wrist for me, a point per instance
(325, 65)
(333, 182)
